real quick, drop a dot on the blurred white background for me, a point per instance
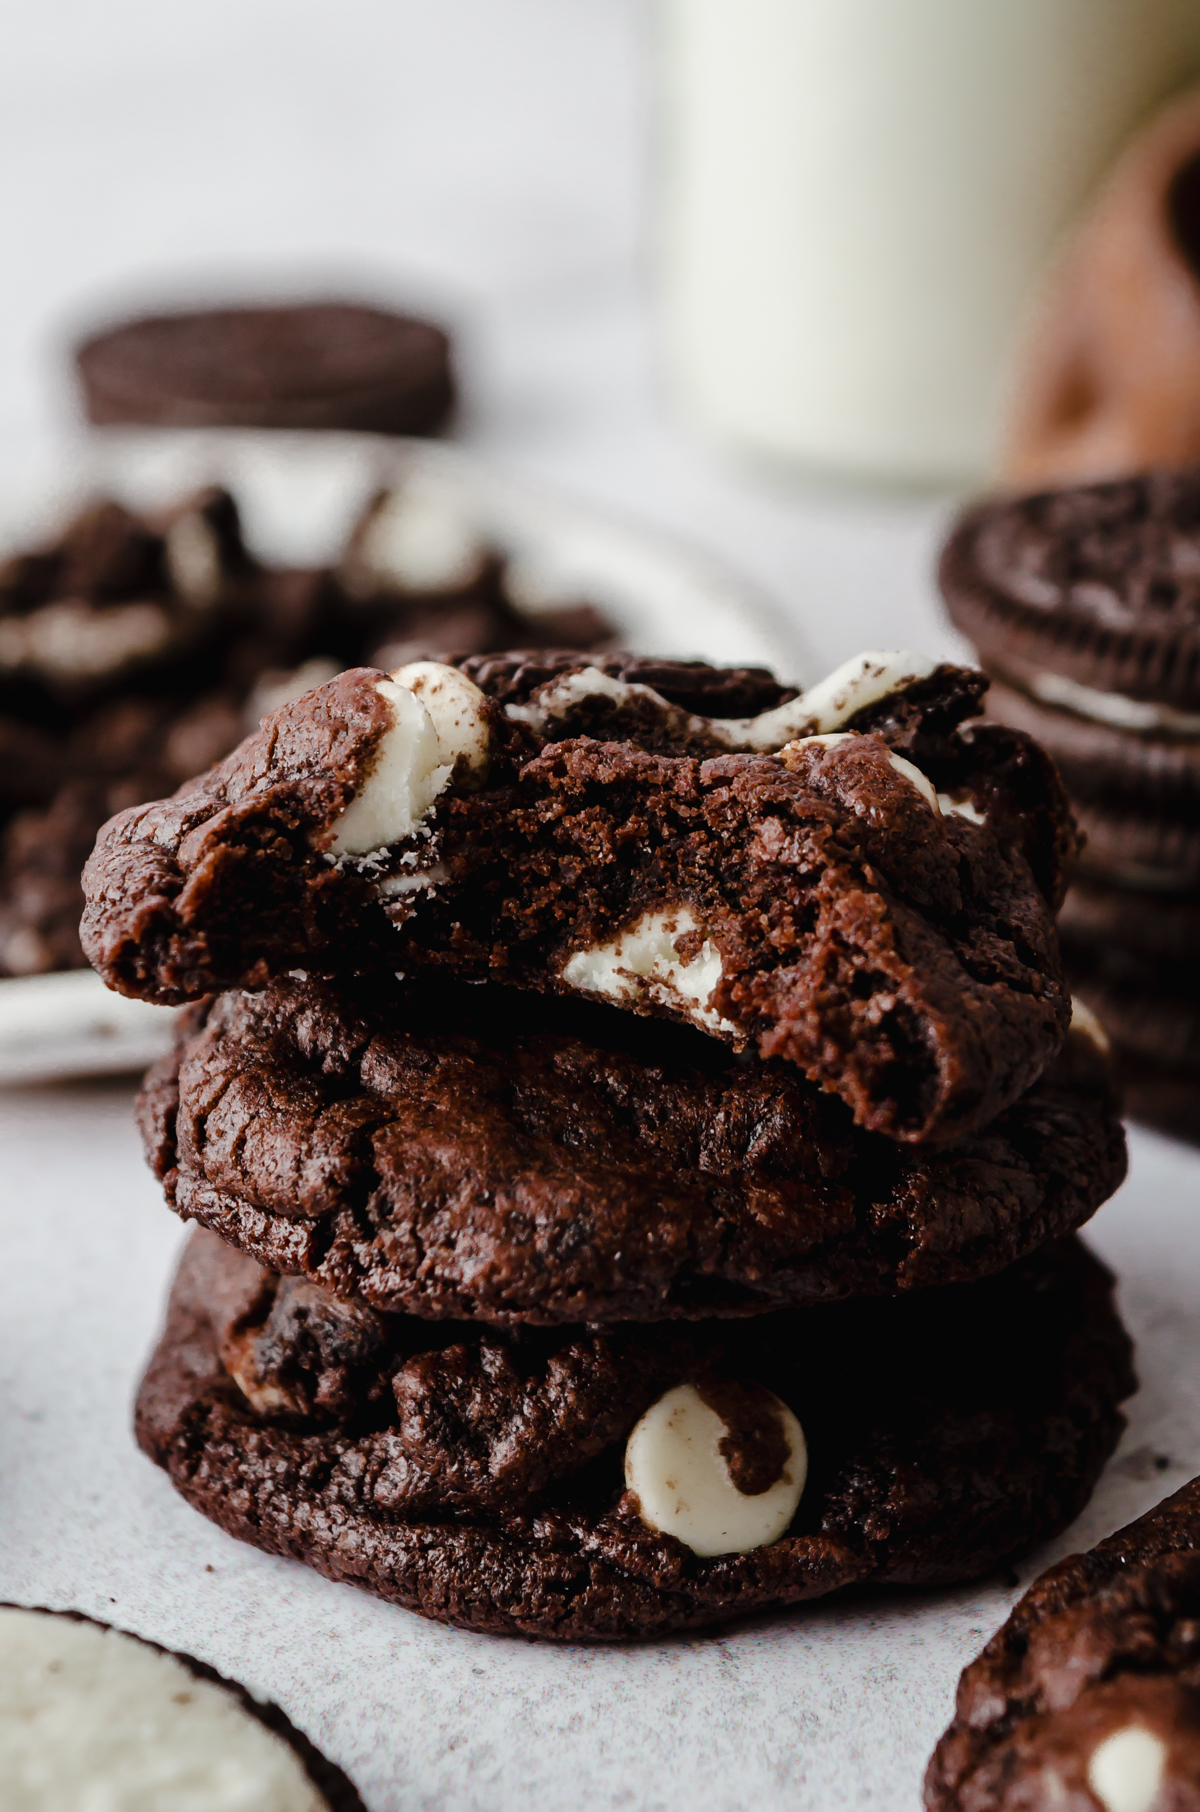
(491, 160)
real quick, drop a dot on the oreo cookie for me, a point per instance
(1090, 1694)
(92, 1715)
(303, 365)
(517, 1482)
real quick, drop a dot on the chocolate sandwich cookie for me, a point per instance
(788, 881)
(1089, 1696)
(94, 1716)
(304, 365)
(465, 1151)
(1097, 586)
(611, 1483)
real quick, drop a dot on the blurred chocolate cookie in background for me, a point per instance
(300, 365)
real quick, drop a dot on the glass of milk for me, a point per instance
(859, 196)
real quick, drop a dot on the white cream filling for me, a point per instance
(421, 539)
(94, 1721)
(435, 724)
(1113, 708)
(194, 560)
(1085, 1021)
(73, 640)
(394, 887)
(643, 962)
(1125, 1771)
(853, 686)
(674, 1465)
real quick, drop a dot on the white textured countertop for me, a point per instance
(485, 156)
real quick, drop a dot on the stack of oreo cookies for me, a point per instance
(1084, 605)
(636, 1136)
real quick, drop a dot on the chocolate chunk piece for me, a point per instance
(876, 923)
(492, 1494)
(1089, 1695)
(454, 1150)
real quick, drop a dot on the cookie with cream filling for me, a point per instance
(514, 1482)
(91, 1716)
(851, 880)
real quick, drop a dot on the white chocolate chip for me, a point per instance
(1126, 1769)
(407, 775)
(642, 961)
(455, 704)
(92, 1718)
(1085, 1021)
(674, 1466)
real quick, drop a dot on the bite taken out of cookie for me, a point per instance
(857, 880)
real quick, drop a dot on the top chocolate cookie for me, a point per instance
(1088, 598)
(851, 879)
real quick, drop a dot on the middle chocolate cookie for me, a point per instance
(466, 1151)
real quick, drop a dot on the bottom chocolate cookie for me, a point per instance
(93, 1719)
(1088, 1698)
(607, 1483)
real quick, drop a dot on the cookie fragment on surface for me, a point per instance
(477, 1476)
(91, 1715)
(814, 903)
(1089, 1695)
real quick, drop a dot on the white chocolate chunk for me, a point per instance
(558, 698)
(1114, 708)
(454, 703)
(674, 1465)
(851, 688)
(643, 960)
(1126, 1769)
(94, 1721)
(409, 772)
(961, 808)
(194, 560)
(420, 538)
(1085, 1021)
(907, 769)
(394, 887)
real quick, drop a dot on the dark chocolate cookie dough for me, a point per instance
(307, 365)
(1089, 1696)
(880, 919)
(455, 1150)
(477, 1477)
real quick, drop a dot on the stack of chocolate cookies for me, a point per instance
(636, 1133)
(1084, 605)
